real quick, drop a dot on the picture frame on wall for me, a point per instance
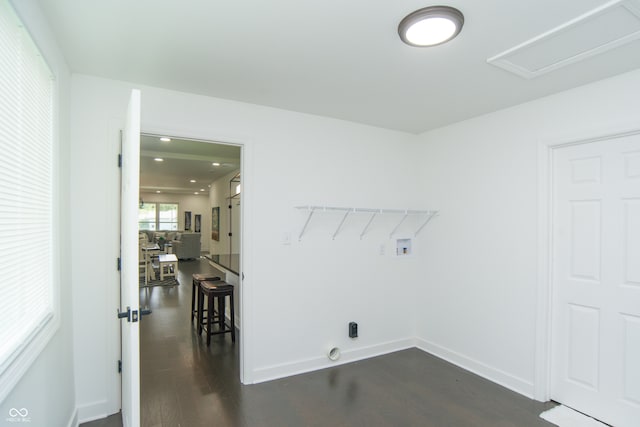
(187, 220)
(197, 220)
(215, 223)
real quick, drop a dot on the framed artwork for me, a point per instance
(187, 220)
(215, 223)
(197, 223)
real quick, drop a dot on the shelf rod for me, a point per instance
(344, 218)
(426, 221)
(311, 211)
(366, 227)
(406, 214)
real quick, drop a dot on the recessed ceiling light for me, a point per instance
(159, 159)
(196, 193)
(202, 189)
(192, 180)
(431, 26)
(157, 191)
(165, 139)
(215, 164)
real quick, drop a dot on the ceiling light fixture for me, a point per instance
(431, 26)
(196, 193)
(202, 189)
(215, 164)
(165, 139)
(192, 180)
(158, 191)
(159, 159)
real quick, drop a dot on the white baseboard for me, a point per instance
(92, 411)
(73, 420)
(321, 362)
(497, 376)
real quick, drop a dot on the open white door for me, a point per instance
(129, 287)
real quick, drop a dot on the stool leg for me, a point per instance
(210, 307)
(193, 300)
(200, 304)
(233, 318)
(221, 312)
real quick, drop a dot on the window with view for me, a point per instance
(30, 315)
(158, 216)
(147, 217)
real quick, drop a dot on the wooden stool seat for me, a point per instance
(195, 285)
(213, 290)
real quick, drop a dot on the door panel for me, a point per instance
(632, 242)
(596, 279)
(129, 287)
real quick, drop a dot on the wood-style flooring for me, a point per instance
(186, 384)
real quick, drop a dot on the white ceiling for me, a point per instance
(333, 58)
(183, 161)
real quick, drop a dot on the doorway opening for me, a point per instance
(190, 204)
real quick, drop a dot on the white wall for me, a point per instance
(476, 295)
(197, 205)
(298, 298)
(47, 389)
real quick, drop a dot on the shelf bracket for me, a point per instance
(344, 218)
(304, 227)
(426, 221)
(406, 214)
(366, 227)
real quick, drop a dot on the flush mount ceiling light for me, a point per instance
(431, 26)
(159, 159)
(215, 164)
(165, 139)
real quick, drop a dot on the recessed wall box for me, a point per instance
(404, 247)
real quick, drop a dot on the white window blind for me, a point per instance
(26, 195)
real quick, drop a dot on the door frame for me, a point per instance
(544, 303)
(246, 168)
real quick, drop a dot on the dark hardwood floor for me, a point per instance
(184, 383)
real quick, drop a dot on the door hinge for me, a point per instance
(119, 264)
(119, 160)
(119, 366)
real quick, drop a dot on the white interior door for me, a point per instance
(595, 362)
(129, 288)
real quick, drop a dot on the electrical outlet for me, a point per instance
(353, 330)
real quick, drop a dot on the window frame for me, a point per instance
(20, 360)
(157, 218)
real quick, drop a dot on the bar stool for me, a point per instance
(195, 286)
(219, 290)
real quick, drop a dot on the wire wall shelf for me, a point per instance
(427, 216)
